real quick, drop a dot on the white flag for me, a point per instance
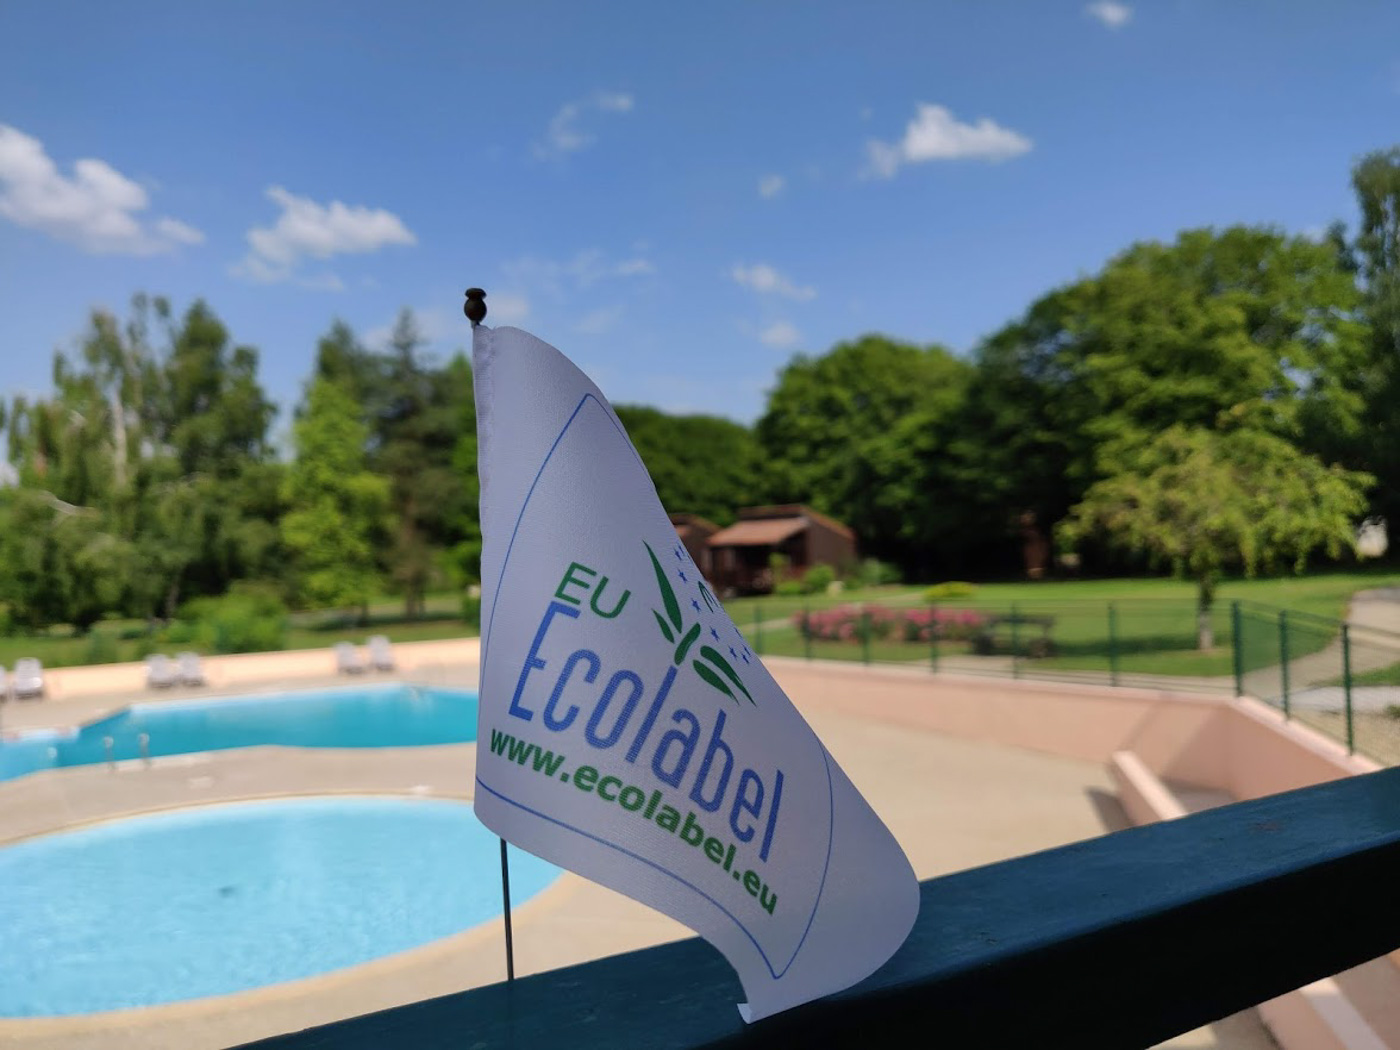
(626, 729)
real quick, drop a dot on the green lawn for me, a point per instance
(1154, 627)
(124, 640)
(1152, 631)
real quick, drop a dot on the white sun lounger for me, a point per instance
(191, 673)
(381, 654)
(347, 659)
(28, 679)
(160, 672)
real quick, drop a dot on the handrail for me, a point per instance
(1119, 941)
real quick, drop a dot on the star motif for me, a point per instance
(714, 634)
(680, 553)
(744, 656)
(733, 653)
(695, 605)
(682, 576)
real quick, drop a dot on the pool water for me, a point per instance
(373, 716)
(220, 899)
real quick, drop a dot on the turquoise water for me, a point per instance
(372, 716)
(220, 899)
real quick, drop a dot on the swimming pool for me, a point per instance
(371, 716)
(220, 899)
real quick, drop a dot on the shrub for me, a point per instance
(875, 573)
(179, 633)
(817, 579)
(1392, 710)
(249, 619)
(942, 592)
(850, 623)
(471, 608)
(101, 648)
(789, 587)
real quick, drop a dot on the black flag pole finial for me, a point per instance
(475, 306)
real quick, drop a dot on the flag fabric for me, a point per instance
(628, 732)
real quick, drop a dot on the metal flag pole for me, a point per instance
(475, 309)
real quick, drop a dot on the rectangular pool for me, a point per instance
(393, 715)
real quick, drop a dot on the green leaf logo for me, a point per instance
(713, 669)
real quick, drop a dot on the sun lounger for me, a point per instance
(28, 679)
(191, 673)
(381, 654)
(347, 659)
(160, 672)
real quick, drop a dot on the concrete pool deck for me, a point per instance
(953, 803)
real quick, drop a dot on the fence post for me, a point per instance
(1112, 644)
(758, 626)
(864, 633)
(933, 637)
(1283, 656)
(1346, 686)
(1015, 642)
(1237, 644)
(807, 628)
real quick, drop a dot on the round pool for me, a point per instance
(220, 899)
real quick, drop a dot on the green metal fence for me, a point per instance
(1341, 679)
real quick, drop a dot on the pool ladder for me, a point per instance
(143, 741)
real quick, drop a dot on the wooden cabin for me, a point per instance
(695, 532)
(741, 555)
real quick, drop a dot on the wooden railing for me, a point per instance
(1120, 941)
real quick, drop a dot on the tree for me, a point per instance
(1376, 251)
(415, 423)
(338, 506)
(464, 518)
(700, 464)
(861, 433)
(1204, 501)
(1242, 327)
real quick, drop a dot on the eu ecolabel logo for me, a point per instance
(666, 753)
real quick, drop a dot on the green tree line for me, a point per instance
(1229, 400)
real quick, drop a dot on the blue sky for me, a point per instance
(678, 197)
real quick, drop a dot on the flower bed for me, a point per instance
(851, 623)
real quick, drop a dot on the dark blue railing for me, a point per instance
(1120, 941)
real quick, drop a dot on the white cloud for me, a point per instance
(434, 325)
(935, 134)
(507, 308)
(565, 135)
(765, 280)
(771, 185)
(634, 268)
(306, 229)
(783, 335)
(596, 322)
(1110, 13)
(95, 208)
(584, 270)
(178, 232)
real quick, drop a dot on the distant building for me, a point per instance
(740, 555)
(695, 532)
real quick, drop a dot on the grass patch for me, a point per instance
(1378, 676)
(1153, 628)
